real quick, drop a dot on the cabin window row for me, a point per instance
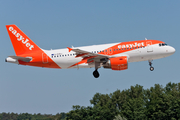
(55, 56)
(118, 49)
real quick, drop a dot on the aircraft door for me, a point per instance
(149, 46)
(44, 58)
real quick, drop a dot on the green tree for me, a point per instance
(118, 117)
(104, 106)
(79, 113)
(158, 103)
(130, 103)
(24, 116)
(172, 90)
(103, 109)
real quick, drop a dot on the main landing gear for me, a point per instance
(96, 73)
(150, 64)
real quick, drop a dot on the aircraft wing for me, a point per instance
(86, 54)
(24, 59)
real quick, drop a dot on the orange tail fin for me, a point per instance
(21, 42)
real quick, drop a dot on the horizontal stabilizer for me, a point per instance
(24, 59)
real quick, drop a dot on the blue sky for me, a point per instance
(59, 24)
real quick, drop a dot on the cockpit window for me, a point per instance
(162, 44)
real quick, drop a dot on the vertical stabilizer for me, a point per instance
(21, 42)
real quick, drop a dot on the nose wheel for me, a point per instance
(150, 64)
(96, 74)
(151, 68)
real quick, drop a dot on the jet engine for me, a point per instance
(117, 63)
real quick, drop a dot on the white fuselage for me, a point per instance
(65, 59)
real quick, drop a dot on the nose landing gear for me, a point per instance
(150, 64)
(151, 68)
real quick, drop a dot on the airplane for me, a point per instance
(115, 56)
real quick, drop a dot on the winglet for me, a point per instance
(69, 49)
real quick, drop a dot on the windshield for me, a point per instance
(162, 44)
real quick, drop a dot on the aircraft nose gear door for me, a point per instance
(149, 46)
(44, 58)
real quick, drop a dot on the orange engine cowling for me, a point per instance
(119, 63)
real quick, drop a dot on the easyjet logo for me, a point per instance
(21, 38)
(131, 45)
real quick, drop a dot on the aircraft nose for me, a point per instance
(171, 50)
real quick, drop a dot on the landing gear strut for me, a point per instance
(150, 64)
(96, 73)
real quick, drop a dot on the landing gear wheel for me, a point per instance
(96, 74)
(150, 64)
(151, 68)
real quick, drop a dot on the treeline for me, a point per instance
(136, 103)
(27, 116)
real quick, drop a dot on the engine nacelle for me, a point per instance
(117, 63)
